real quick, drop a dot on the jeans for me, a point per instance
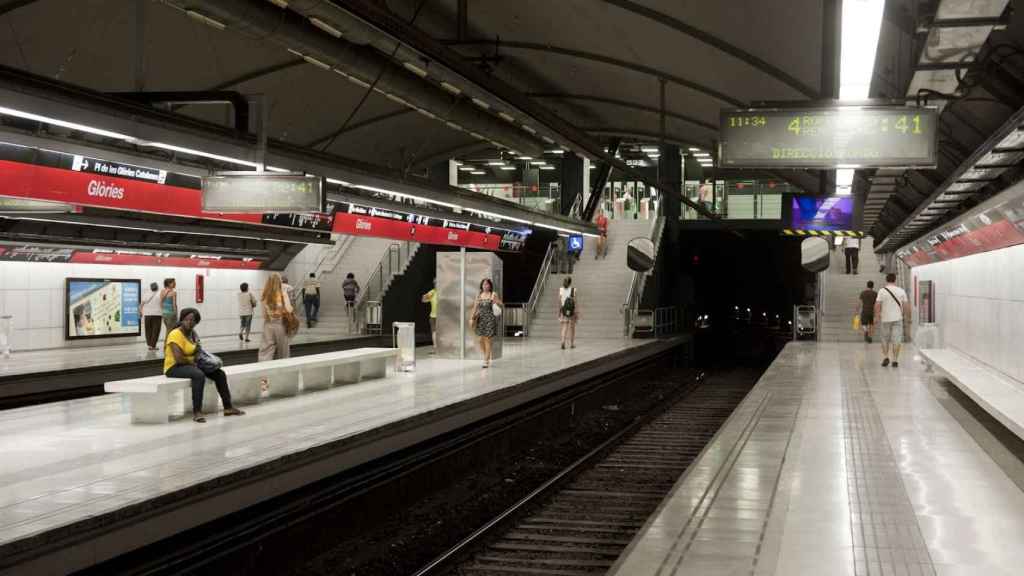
(193, 373)
(852, 258)
(312, 304)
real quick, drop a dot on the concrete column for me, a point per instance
(670, 180)
(572, 180)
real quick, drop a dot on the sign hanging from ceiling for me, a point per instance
(829, 137)
(16, 252)
(997, 223)
(258, 193)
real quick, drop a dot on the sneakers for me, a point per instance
(885, 363)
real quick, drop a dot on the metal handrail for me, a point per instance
(391, 264)
(538, 285)
(334, 257)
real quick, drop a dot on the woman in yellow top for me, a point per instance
(180, 351)
(274, 303)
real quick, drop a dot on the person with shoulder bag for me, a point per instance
(568, 312)
(485, 317)
(892, 308)
(185, 358)
(279, 321)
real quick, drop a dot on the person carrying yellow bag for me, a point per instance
(864, 318)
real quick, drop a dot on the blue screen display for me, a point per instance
(816, 213)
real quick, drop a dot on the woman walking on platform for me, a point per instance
(485, 317)
(169, 304)
(152, 315)
(275, 304)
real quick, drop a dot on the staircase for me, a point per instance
(601, 286)
(842, 290)
(359, 255)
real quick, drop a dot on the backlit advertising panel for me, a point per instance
(101, 308)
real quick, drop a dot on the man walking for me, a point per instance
(851, 248)
(311, 299)
(866, 309)
(892, 307)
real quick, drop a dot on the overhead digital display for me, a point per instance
(263, 192)
(101, 308)
(833, 137)
(815, 213)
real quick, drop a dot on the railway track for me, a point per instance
(579, 522)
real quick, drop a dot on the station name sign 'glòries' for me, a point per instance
(829, 137)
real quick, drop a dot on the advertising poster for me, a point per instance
(98, 308)
(813, 213)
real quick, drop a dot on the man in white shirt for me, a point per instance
(891, 308)
(851, 248)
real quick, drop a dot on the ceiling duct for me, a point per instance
(362, 63)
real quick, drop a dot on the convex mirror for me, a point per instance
(814, 254)
(640, 255)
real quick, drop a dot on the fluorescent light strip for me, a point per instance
(495, 163)
(548, 140)
(547, 167)
(199, 17)
(317, 63)
(555, 151)
(507, 168)
(70, 125)
(506, 117)
(279, 3)
(325, 27)
(451, 88)
(415, 69)
(528, 129)
(481, 103)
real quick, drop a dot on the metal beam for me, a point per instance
(259, 73)
(12, 5)
(595, 57)
(142, 126)
(752, 60)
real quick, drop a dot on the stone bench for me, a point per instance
(998, 394)
(150, 396)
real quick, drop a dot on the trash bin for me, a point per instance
(404, 338)
(6, 334)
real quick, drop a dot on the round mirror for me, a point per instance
(640, 254)
(814, 254)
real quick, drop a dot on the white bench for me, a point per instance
(150, 397)
(998, 394)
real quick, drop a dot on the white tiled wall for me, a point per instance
(33, 292)
(979, 306)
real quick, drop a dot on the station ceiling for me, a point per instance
(595, 63)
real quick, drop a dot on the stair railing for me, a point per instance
(370, 301)
(329, 261)
(538, 287)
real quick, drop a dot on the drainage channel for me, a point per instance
(580, 522)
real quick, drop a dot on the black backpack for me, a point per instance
(569, 306)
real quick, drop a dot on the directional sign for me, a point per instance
(829, 137)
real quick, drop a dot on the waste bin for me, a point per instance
(404, 338)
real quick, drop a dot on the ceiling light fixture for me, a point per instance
(415, 69)
(528, 129)
(548, 140)
(481, 104)
(496, 163)
(547, 167)
(200, 17)
(478, 172)
(507, 168)
(506, 117)
(317, 63)
(325, 26)
(279, 3)
(451, 88)
(555, 151)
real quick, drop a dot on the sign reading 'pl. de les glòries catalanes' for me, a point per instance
(829, 137)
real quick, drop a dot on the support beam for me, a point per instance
(604, 171)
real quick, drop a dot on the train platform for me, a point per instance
(836, 465)
(80, 484)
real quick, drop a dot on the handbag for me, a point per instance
(495, 309)
(291, 323)
(856, 322)
(207, 361)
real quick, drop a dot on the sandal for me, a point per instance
(199, 418)
(233, 412)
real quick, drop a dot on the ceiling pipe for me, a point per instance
(360, 63)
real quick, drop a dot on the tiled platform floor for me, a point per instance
(835, 465)
(36, 361)
(67, 461)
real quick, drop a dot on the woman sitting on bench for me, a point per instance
(180, 351)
